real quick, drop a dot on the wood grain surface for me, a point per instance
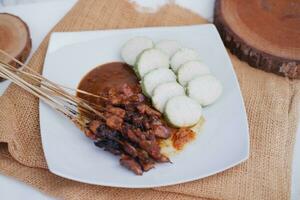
(264, 33)
(14, 38)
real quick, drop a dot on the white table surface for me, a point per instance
(41, 17)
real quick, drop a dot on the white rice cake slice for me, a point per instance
(163, 92)
(204, 89)
(183, 111)
(133, 47)
(191, 70)
(156, 77)
(182, 56)
(151, 59)
(168, 46)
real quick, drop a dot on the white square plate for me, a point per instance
(223, 142)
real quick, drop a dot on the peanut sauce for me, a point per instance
(114, 75)
(103, 77)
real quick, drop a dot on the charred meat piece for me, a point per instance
(112, 141)
(104, 132)
(131, 164)
(136, 120)
(141, 121)
(109, 145)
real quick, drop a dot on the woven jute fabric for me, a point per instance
(271, 103)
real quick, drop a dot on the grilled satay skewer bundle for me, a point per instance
(123, 125)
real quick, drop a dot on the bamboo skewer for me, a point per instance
(51, 93)
(32, 89)
(38, 76)
(47, 83)
(39, 92)
(79, 100)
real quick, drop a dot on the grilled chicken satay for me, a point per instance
(130, 129)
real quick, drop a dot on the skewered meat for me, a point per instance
(116, 111)
(129, 149)
(145, 109)
(131, 135)
(114, 122)
(131, 164)
(161, 131)
(146, 162)
(153, 149)
(109, 145)
(130, 129)
(90, 134)
(93, 125)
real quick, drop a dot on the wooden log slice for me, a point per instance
(14, 38)
(264, 33)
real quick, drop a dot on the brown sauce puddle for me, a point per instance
(114, 75)
(103, 77)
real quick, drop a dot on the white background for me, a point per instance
(41, 17)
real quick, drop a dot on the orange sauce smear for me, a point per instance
(182, 137)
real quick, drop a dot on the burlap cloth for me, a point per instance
(271, 104)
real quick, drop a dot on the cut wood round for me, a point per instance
(14, 39)
(264, 33)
